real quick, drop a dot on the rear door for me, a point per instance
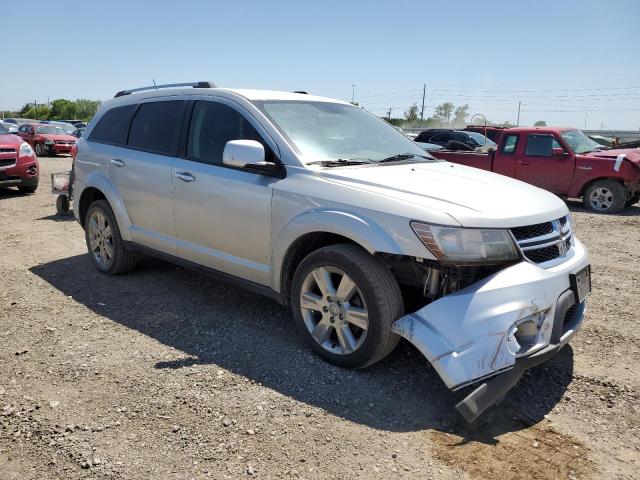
(223, 214)
(543, 162)
(142, 171)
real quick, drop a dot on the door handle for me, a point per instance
(116, 162)
(185, 177)
(523, 162)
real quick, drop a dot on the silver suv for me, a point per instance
(330, 210)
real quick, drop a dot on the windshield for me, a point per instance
(331, 131)
(579, 142)
(479, 138)
(51, 130)
(67, 127)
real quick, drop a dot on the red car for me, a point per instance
(18, 163)
(564, 161)
(47, 139)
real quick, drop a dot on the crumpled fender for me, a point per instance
(468, 335)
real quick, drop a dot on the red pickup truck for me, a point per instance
(564, 161)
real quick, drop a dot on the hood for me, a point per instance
(631, 154)
(57, 137)
(474, 197)
(10, 140)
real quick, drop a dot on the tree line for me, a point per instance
(59, 109)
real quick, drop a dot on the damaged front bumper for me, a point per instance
(498, 327)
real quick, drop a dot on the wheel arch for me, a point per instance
(584, 188)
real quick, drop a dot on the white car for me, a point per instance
(330, 210)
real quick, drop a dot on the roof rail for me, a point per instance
(168, 85)
(301, 91)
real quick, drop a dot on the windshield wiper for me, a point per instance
(402, 156)
(339, 162)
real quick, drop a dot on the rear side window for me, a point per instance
(156, 127)
(510, 144)
(212, 126)
(540, 145)
(113, 126)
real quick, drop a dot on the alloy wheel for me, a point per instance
(334, 310)
(601, 199)
(100, 239)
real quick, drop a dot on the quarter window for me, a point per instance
(212, 126)
(156, 127)
(113, 126)
(510, 144)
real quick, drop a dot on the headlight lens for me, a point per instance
(48, 141)
(453, 244)
(25, 150)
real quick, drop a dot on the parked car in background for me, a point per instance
(67, 127)
(332, 211)
(455, 139)
(78, 132)
(492, 132)
(564, 161)
(18, 163)
(429, 147)
(19, 121)
(47, 139)
(11, 127)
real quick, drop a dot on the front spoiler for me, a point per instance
(472, 335)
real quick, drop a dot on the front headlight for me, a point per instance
(453, 244)
(48, 141)
(25, 150)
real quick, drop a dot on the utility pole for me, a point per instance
(424, 94)
(35, 105)
(390, 115)
(518, 121)
(353, 93)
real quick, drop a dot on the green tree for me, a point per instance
(58, 107)
(411, 115)
(540, 123)
(444, 111)
(460, 115)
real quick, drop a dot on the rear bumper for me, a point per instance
(477, 333)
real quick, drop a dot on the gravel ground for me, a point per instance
(164, 373)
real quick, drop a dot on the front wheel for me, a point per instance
(344, 303)
(39, 150)
(604, 196)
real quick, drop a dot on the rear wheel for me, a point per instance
(604, 196)
(108, 251)
(344, 302)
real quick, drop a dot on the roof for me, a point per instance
(542, 129)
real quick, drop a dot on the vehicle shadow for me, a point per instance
(212, 322)
(632, 211)
(11, 193)
(56, 217)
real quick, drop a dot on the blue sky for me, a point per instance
(564, 60)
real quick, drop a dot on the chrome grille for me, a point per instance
(545, 242)
(8, 162)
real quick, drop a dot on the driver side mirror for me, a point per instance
(558, 152)
(247, 154)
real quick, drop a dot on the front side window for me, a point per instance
(441, 138)
(332, 131)
(510, 144)
(156, 127)
(541, 145)
(212, 126)
(113, 126)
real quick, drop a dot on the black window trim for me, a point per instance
(515, 146)
(280, 172)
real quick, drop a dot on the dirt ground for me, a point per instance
(166, 374)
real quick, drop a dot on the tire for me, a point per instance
(633, 200)
(39, 150)
(376, 295)
(107, 250)
(28, 188)
(62, 205)
(604, 196)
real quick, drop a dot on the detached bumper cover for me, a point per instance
(477, 332)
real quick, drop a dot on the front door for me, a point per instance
(545, 164)
(223, 214)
